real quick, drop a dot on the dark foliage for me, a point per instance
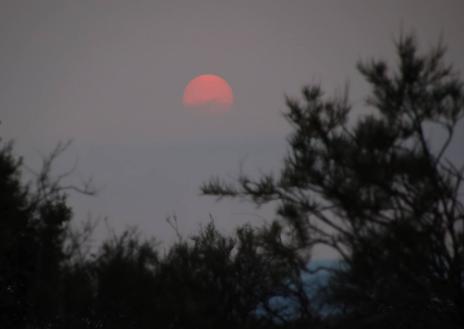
(48, 280)
(208, 281)
(32, 231)
(379, 191)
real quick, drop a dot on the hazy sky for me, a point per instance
(110, 76)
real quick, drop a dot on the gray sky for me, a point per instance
(110, 76)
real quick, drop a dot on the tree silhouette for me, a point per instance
(32, 232)
(49, 280)
(207, 281)
(378, 190)
(222, 281)
(34, 221)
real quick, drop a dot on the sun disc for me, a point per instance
(208, 92)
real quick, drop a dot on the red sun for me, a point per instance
(208, 92)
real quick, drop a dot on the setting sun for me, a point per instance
(208, 92)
